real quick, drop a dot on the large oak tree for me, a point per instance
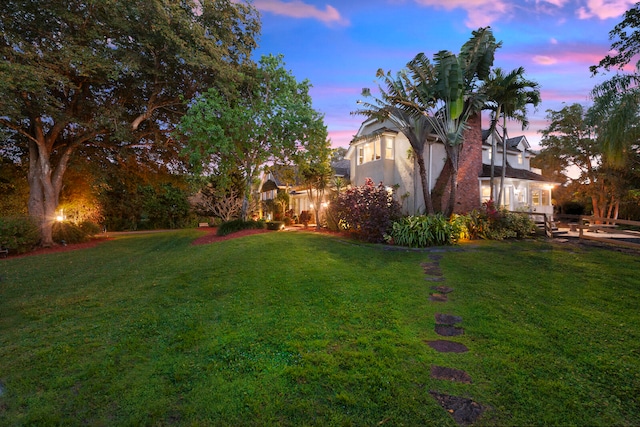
(108, 73)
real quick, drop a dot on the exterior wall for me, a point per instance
(402, 171)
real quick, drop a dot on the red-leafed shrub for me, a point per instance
(368, 211)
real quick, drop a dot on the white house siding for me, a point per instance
(401, 171)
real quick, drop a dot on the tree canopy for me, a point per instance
(625, 44)
(109, 73)
(268, 118)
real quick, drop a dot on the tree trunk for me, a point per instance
(452, 194)
(454, 155)
(439, 189)
(504, 162)
(426, 191)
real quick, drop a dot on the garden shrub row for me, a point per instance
(21, 234)
(238, 225)
(426, 230)
(18, 234)
(372, 215)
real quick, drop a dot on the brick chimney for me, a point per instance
(470, 168)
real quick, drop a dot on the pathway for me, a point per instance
(463, 410)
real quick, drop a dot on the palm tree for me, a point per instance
(507, 97)
(416, 128)
(446, 93)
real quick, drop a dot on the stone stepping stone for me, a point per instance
(438, 298)
(434, 279)
(431, 269)
(436, 257)
(447, 319)
(444, 346)
(442, 289)
(450, 374)
(464, 411)
(448, 330)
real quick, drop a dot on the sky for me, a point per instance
(338, 45)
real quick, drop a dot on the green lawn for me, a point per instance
(304, 329)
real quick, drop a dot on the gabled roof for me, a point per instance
(512, 143)
(342, 168)
(512, 173)
(374, 134)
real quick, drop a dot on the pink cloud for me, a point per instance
(481, 13)
(544, 60)
(301, 10)
(604, 9)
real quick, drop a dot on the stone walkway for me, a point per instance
(463, 410)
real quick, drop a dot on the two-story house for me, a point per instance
(380, 152)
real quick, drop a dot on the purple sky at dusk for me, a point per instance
(338, 45)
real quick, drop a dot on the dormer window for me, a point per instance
(520, 159)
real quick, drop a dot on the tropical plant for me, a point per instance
(426, 230)
(417, 128)
(507, 97)
(446, 93)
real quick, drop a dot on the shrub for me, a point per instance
(90, 228)
(275, 225)
(68, 232)
(238, 225)
(18, 234)
(368, 211)
(423, 231)
(493, 224)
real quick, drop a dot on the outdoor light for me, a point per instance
(59, 218)
(325, 204)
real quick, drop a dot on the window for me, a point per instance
(486, 192)
(369, 151)
(545, 197)
(535, 197)
(506, 197)
(388, 153)
(377, 150)
(520, 158)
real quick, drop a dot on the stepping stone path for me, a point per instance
(450, 374)
(464, 411)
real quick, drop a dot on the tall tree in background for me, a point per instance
(625, 42)
(571, 137)
(266, 120)
(314, 168)
(78, 73)
(507, 97)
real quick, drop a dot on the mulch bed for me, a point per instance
(209, 237)
(60, 248)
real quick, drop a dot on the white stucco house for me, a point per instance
(380, 152)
